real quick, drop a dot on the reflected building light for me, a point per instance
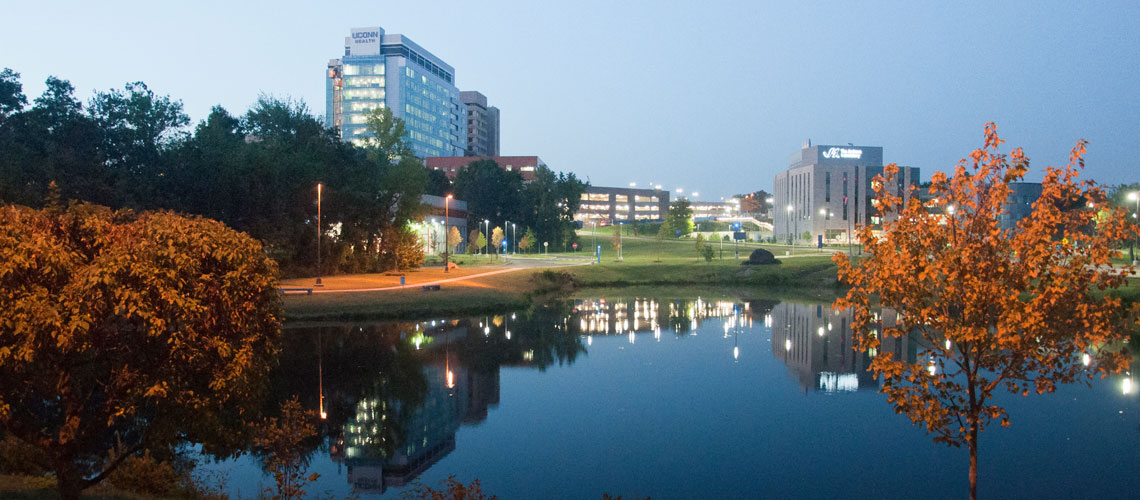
(1086, 359)
(486, 330)
(528, 355)
(512, 315)
(657, 334)
(582, 324)
(768, 320)
(631, 336)
(821, 332)
(735, 352)
(787, 344)
(589, 340)
(1126, 386)
(948, 344)
(838, 382)
(932, 368)
(829, 326)
(508, 335)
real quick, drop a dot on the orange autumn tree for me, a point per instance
(995, 309)
(129, 333)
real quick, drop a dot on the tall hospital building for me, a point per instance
(380, 70)
(826, 192)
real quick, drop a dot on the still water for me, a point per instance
(671, 399)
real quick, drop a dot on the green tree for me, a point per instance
(665, 231)
(700, 245)
(528, 240)
(143, 331)
(139, 129)
(12, 98)
(437, 183)
(1013, 309)
(680, 216)
(491, 192)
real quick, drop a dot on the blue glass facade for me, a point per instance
(391, 71)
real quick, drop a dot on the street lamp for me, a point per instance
(318, 283)
(487, 236)
(446, 231)
(515, 238)
(823, 213)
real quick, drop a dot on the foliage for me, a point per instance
(806, 236)
(450, 489)
(680, 216)
(760, 256)
(280, 442)
(700, 244)
(497, 239)
(997, 309)
(476, 241)
(146, 330)
(145, 475)
(547, 204)
(707, 252)
(527, 241)
(616, 237)
(18, 457)
(257, 172)
(454, 238)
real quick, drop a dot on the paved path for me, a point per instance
(515, 264)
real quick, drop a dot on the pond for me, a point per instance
(680, 399)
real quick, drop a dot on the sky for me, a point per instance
(711, 97)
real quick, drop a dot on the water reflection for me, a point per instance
(397, 394)
(814, 341)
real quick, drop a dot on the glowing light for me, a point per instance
(735, 352)
(486, 330)
(787, 344)
(589, 340)
(821, 332)
(932, 368)
(1126, 386)
(1086, 359)
(450, 379)
(508, 335)
(948, 343)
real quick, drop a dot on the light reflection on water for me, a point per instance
(670, 398)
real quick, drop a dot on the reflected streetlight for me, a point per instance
(788, 228)
(319, 231)
(1134, 197)
(446, 231)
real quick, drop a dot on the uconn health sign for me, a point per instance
(365, 41)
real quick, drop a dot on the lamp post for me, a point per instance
(515, 238)
(620, 223)
(1135, 197)
(318, 283)
(446, 232)
(594, 231)
(487, 236)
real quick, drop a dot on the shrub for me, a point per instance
(760, 257)
(144, 475)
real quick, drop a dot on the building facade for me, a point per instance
(613, 205)
(443, 214)
(826, 192)
(482, 124)
(390, 71)
(451, 165)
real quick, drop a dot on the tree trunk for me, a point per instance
(974, 464)
(69, 481)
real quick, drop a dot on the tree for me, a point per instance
(453, 239)
(616, 239)
(491, 192)
(281, 442)
(527, 240)
(143, 331)
(12, 98)
(707, 252)
(437, 183)
(497, 238)
(680, 216)
(995, 308)
(700, 245)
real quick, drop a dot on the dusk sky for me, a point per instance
(709, 96)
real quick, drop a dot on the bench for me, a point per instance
(283, 291)
(431, 288)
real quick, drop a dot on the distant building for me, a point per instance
(711, 210)
(482, 125)
(451, 165)
(826, 191)
(1020, 204)
(612, 205)
(442, 216)
(391, 71)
